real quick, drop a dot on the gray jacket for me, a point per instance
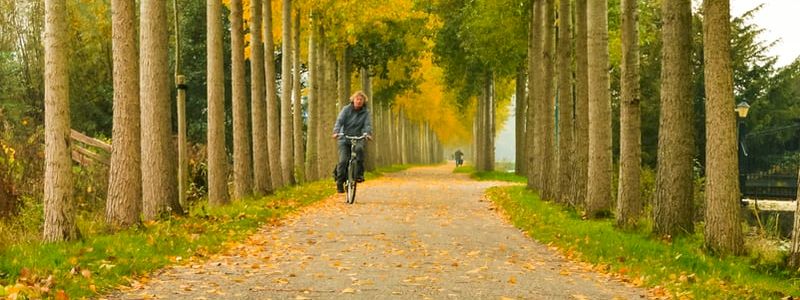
(353, 123)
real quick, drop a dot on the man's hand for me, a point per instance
(335, 136)
(369, 137)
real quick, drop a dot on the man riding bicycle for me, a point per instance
(353, 120)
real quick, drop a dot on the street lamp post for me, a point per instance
(741, 112)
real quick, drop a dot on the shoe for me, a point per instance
(340, 187)
(359, 179)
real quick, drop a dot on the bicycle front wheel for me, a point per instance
(350, 185)
(351, 192)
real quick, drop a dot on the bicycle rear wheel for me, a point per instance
(350, 185)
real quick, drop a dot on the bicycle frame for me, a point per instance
(350, 183)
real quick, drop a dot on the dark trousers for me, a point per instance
(344, 158)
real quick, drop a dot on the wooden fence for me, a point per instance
(87, 151)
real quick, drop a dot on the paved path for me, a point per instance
(418, 234)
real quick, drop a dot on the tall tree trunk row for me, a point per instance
(159, 172)
(258, 105)
(273, 114)
(598, 198)
(59, 205)
(672, 208)
(124, 203)
(217, 154)
(297, 105)
(287, 162)
(581, 143)
(533, 138)
(723, 230)
(565, 107)
(520, 108)
(242, 159)
(547, 116)
(629, 203)
(312, 155)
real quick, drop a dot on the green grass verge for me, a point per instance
(101, 262)
(469, 169)
(678, 268)
(498, 176)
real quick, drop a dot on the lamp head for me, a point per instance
(742, 108)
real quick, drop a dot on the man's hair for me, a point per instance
(359, 93)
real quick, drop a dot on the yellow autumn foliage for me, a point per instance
(431, 104)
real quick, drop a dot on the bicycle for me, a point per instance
(350, 182)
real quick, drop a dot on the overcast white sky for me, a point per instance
(781, 21)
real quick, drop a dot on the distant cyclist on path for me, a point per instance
(353, 120)
(459, 156)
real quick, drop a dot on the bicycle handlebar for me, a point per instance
(361, 137)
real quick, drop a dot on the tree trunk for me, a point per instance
(323, 132)
(598, 199)
(159, 167)
(366, 86)
(331, 112)
(723, 230)
(258, 109)
(59, 205)
(123, 203)
(341, 80)
(581, 144)
(273, 115)
(242, 163)
(565, 107)
(672, 206)
(629, 202)
(287, 161)
(534, 96)
(217, 155)
(312, 156)
(490, 122)
(547, 116)
(327, 109)
(520, 107)
(297, 112)
(794, 251)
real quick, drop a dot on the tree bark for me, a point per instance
(287, 161)
(629, 202)
(366, 86)
(794, 251)
(59, 205)
(159, 167)
(123, 203)
(217, 154)
(723, 230)
(534, 88)
(549, 159)
(598, 198)
(312, 155)
(581, 144)
(520, 107)
(565, 107)
(273, 115)
(258, 109)
(242, 159)
(672, 206)
(297, 107)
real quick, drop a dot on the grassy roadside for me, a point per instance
(672, 269)
(490, 176)
(102, 261)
